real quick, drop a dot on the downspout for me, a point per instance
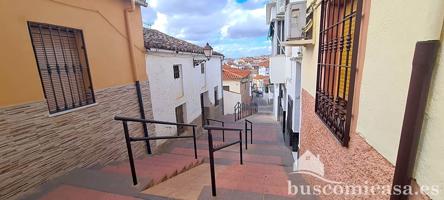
(222, 83)
(129, 37)
(422, 70)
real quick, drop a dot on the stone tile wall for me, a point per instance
(36, 147)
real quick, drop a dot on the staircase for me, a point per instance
(242, 110)
(114, 181)
(155, 169)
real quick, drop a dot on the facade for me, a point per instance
(236, 88)
(264, 68)
(260, 83)
(354, 113)
(59, 92)
(285, 62)
(181, 90)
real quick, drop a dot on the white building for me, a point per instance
(286, 21)
(185, 86)
(237, 88)
(263, 68)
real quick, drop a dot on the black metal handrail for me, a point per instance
(237, 111)
(250, 128)
(242, 110)
(211, 150)
(130, 139)
(218, 121)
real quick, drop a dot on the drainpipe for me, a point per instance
(222, 83)
(129, 37)
(422, 68)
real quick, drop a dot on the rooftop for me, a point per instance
(261, 77)
(158, 40)
(230, 73)
(265, 63)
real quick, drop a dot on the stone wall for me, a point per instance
(36, 147)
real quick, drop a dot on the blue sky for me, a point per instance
(235, 28)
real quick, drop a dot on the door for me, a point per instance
(202, 108)
(180, 119)
(289, 114)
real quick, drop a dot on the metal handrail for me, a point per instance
(223, 125)
(130, 139)
(242, 110)
(248, 122)
(212, 149)
(148, 121)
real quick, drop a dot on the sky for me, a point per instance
(235, 28)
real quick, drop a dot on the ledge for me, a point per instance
(298, 42)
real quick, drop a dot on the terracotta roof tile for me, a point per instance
(260, 77)
(156, 39)
(230, 73)
(264, 63)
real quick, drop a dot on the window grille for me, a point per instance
(216, 96)
(202, 68)
(337, 58)
(176, 69)
(62, 64)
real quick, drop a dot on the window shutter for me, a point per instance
(62, 66)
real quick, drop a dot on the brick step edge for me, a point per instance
(196, 163)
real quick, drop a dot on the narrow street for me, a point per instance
(265, 172)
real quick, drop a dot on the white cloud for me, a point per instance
(161, 22)
(226, 24)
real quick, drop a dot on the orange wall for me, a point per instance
(103, 25)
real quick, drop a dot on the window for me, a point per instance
(280, 49)
(226, 88)
(337, 58)
(202, 68)
(180, 118)
(216, 97)
(62, 64)
(308, 29)
(176, 69)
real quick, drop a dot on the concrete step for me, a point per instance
(115, 181)
(156, 169)
(92, 184)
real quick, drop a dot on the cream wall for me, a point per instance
(230, 100)
(234, 85)
(103, 26)
(385, 82)
(310, 56)
(388, 60)
(429, 163)
(390, 44)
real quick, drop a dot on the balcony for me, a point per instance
(278, 69)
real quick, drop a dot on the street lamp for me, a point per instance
(208, 52)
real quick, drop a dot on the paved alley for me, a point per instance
(264, 174)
